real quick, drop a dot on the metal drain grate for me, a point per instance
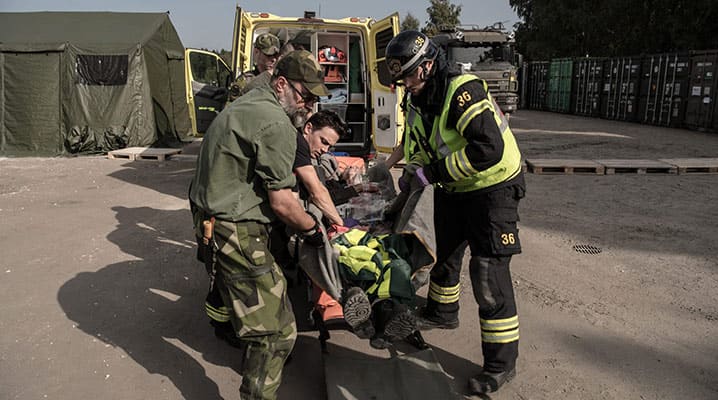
(586, 249)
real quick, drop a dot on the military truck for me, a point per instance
(490, 54)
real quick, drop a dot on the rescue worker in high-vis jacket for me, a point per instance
(457, 139)
(242, 184)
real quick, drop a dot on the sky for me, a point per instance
(209, 23)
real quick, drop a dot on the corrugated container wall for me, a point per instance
(664, 89)
(667, 89)
(538, 85)
(701, 104)
(621, 77)
(523, 85)
(559, 88)
(587, 86)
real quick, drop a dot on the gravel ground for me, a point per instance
(101, 297)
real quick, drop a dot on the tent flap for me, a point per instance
(87, 140)
(31, 98)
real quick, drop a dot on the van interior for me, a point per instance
(341, 55)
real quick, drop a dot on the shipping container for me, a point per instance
(537, 85)
(621, 78)
(663, 89)
(669, 89)
(587, 86)
(559, 85)
(523, 85)
(700, 107)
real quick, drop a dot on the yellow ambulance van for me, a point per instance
(351, 52)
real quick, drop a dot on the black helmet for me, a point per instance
(406, 51)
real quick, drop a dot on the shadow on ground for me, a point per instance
(169, 177)
(151, 307)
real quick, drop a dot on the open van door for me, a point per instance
(241, 44)
(387, 118)
(207, 78)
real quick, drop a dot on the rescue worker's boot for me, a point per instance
(489, 382)
(425, 321)
(357, 312)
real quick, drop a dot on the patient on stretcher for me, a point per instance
(368, 269)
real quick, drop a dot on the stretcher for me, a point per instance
(410, 219)
(351, 374)
(411, 376)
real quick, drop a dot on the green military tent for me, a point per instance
(90, 82)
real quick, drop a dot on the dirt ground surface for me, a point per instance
(101, 297)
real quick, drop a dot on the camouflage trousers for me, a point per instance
(250, 280)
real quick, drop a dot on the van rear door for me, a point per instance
(241, 44)
(387, 119)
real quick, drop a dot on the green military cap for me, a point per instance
(267, 44)
(301, 66)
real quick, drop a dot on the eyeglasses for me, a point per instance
(308, 99)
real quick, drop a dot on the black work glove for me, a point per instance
(315, 239)
(314, 236)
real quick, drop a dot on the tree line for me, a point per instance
(559, 28)
(568, 28)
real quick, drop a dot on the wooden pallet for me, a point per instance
(564, 166)
(614, 166)
(143, 153)
(693, 165)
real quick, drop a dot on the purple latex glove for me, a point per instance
(350, 222)
(408, 181)
(420, 177)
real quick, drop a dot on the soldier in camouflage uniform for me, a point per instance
(242, 184)
(263, 78)
(265, 56)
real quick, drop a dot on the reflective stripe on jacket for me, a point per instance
(448, 145)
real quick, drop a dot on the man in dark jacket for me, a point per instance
(457, 139)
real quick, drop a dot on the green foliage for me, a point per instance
(226, 56)
(563, 28)
(206, 69)
(409, 23)
(442, 15)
